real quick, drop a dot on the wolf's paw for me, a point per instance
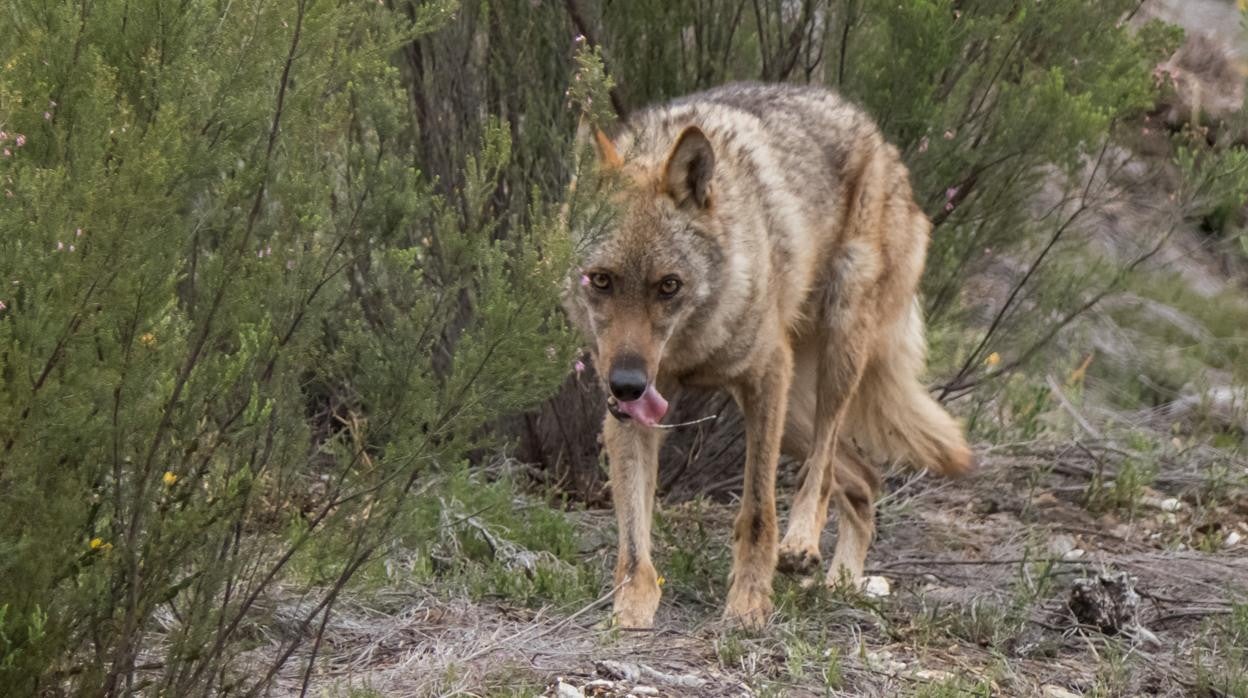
(799, 562)
(636, 604)
(749, 607)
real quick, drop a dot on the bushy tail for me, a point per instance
(894, 417)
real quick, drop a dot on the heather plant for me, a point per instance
(237, 325)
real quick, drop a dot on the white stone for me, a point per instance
(1233, 538)
(933, 675)
(877, 587)
(1051, 691)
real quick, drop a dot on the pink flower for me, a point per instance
(8, 153)
(59, 246)
(4, 135)
(578, 365)
(948, 208)
(584, 279)
(4, 307)
(71, 248)
(580, 38)
(923, 145)
(78, 232)
(949, 135)
(21, 140)
(47, 116)
(950, 193)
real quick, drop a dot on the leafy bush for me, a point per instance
(237, 323)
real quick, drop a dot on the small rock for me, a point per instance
(1074, 554)
(1045, 499)
(1233, 538)
(1051, 691)
(1061, 544)
(567, 690)
(933, 675)
(645, 691)
(883, 662)
(876, 587)
(1154, 499)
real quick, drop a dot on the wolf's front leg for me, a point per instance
(763, 397)
(634, 454)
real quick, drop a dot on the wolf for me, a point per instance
(765, 241)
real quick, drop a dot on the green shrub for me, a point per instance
(237, 323)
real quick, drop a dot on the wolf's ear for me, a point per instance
(607, 154)
(689, 169)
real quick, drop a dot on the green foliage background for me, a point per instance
(238, 322)
(268, 270)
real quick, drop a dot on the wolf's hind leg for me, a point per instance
(857, 484)
(841, 357)
(634, 454)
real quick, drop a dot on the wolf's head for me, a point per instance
(652, 271)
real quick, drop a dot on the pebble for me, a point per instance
(933, 675)
(877, 587)
(1051, 691)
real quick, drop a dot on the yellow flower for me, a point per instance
(99, 544)
(169, 478)
(660, 580)
(147, 339)
(993, 359)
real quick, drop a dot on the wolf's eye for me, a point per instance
(601, 281)
(668, 287)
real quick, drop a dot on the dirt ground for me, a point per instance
(981, 572)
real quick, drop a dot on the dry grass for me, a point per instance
(980, 568)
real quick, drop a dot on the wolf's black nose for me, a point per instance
(627, 378)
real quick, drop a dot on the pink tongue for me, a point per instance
(647, 409)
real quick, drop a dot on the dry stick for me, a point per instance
(1004, 561)
(584, 609)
